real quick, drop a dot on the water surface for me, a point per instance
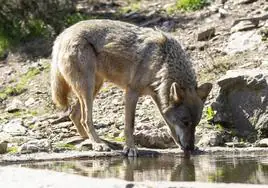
(202, 168)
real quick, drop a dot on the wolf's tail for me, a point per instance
(59, 87)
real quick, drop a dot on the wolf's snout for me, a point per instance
(189, 148)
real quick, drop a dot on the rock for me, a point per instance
(14, 127)
(3, 147)
(223, 13)
(212, 138)
(236, 144)
(243, 94)
(168, 26)
(150, 22)
(5, 136)
(61, 125)
(14, 106)
(35, 145)
(153, 138)
(244, 25)
(264, 64)
(85, 145)
(245, 1)
(73, 140)
(206, 34)
(242, 41)
(29, 102)
(263, 142)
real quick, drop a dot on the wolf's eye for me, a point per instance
(186, 123)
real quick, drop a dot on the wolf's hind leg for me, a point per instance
(75, 114)
(79, 69)
(131, 98)
(87, 97)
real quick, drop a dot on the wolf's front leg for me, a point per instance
(131, 98)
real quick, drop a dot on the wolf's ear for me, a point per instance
(176, 93)
(203, 90)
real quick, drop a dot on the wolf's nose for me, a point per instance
(189, 147)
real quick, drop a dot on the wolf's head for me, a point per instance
(184, 113)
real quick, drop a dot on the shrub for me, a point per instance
(23, 20)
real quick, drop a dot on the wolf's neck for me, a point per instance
(161, 87)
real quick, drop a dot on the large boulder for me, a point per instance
(243, 40)
(242, 102)
(14, 127)
(151, 136)
(35, 145)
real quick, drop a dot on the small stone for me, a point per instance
(85, 145)
(115, 134)
(35, 145)
(147, 102)
(244, 26)
(29, 102)
(14, 127)
(121, 135)
(14, 106)
(264, 64)
(3, 147)
(150, 22)
(5, 136)
(263, 143)
(214, 8)
(206, 34)
(245, 1)
(73, 140)
(62, 125)
(236, 144)
(212, 138)
(223, 13)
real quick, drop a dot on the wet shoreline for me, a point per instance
(76, 155)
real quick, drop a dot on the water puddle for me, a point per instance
(202, 168)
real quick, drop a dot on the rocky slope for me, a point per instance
(224, 35)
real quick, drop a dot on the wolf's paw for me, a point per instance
(130, 152)
(100, 147)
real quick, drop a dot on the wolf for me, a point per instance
(142, 61)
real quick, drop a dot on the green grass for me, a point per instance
(132, 7)
(219, 127)
(18, 114)
(190, 5)
(116, 139)
(74, 18)
(12, 150)
(209, 113)
(20, 86)
(187, 5)
(119, 139)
